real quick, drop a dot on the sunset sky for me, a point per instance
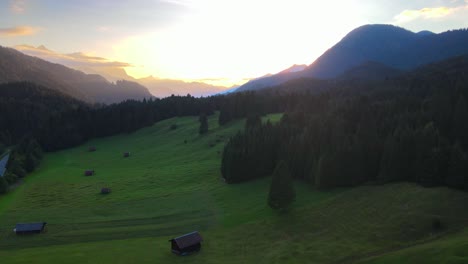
(221, 42)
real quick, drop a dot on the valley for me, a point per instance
(168, 187)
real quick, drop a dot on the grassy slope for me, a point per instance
(447, 250)
(168, 187)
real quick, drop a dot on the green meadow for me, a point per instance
(171, 184)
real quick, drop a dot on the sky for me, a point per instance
(217, 41)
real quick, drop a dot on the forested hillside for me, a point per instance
(413, 128)
(58, 121)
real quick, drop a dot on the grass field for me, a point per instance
(168, 187)
(449, 250)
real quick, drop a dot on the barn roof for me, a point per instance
(25, 227)
(188, 240)
(3, 164)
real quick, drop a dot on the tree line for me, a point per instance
(54, 121)
(413, 128)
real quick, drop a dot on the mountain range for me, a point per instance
(371, 52)
(390, 47)
(16, 66)
(114, 71)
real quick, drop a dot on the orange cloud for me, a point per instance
(17, 31)
(72, 60)
(111, 70)
(427, 13)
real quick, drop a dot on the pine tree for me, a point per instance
(253, 122)
(460, 121)
(282, 193)
(457, 174)
(203, 124)
(3, 185)
(426, 164)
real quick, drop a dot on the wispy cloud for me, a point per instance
(111, 70)
(429, 13)
(17, 6)
(18, 31)
(77, 59)
(104, 29)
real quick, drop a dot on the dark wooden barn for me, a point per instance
(89, 172)
(105, 190)
(126, 154)
(92, 149)
(30, 228)
(186, 244)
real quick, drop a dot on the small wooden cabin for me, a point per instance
(30, 228)
(126, 154)
(92, 149)
(105, 190)
(186, 244)
(89, 172)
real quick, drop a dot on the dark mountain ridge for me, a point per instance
(370, 70)
(389, 45)
(16, 67)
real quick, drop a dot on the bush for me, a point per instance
(10, 177)
(436, 224)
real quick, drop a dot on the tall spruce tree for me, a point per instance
(460, 121)
(203, 124)
(253, 121)
(282, 193)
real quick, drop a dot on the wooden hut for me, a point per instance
(92, 149)
(89, 172)
(126, 154)
(30, 228)
(186, 244)
(105, 190)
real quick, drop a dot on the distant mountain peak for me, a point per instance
(396, 48)
(42, 47)
(425, 33)
(295, 68)
(369, 33)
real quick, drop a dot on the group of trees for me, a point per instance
(23, 159)
(409, 129)
(58, 121)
